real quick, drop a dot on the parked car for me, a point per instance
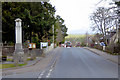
(68, 44)
(62, 45)
(78, 44)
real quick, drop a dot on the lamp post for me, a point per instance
(18, 53)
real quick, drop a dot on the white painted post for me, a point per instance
(103, 48)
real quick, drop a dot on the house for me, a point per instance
(111, 37)
(115, 36)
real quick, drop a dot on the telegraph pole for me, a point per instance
(53, 35)
(118, 26)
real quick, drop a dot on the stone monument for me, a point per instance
(18, 53)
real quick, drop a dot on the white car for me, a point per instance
(62, 45)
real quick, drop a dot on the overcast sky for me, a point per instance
(76, 13)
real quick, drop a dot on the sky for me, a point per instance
(76, 13)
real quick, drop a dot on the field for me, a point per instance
(76, 38)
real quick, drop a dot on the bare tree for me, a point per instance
(102, 20)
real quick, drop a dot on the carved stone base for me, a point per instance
(18, 47)
(33, 55)
(19, 55)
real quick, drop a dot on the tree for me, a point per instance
(61, 29)
(10, 11)
(37, 21)
(102, 20)
(38, 16)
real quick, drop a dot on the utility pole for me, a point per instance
(118, 26)
(87, 39)
(53, 35)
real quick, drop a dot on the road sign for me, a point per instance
(43, 44)
(32, 45)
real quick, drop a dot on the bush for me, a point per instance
(38, 45)
(83, 44)
(10, 44)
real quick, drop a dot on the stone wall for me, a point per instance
(7, 50)
(48, 49)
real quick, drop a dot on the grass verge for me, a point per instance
(3, 66)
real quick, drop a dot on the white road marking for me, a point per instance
(47, 76)
(41, 74)
(51, 66)
(49, 73)
(50, 70)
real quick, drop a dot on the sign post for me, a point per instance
(31, 47)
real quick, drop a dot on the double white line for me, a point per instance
(40, 76)
(49, 73)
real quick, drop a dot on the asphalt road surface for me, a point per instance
(75, 63)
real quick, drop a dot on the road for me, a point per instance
(75, 63)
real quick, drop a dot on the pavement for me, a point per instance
(106, 55)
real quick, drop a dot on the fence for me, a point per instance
(110, 49)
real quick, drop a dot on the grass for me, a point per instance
(28, 59)
(3, 66)
(9, 59)
(76, 37)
